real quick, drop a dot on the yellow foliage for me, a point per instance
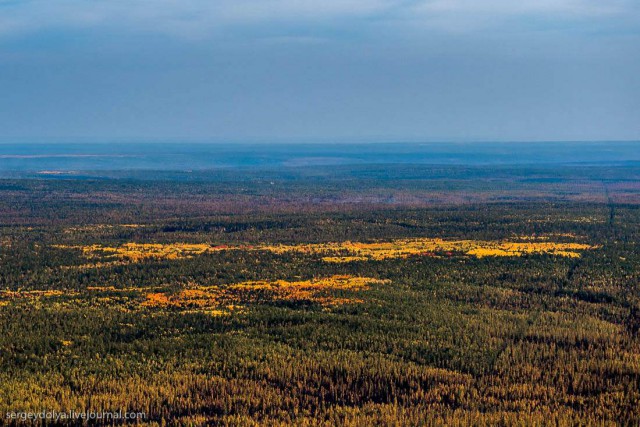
(339, 259)
(315, 290)
(136, 252)
(29, 294)
(403, 248)
(340, 252)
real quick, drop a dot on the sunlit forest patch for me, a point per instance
(314, 290)
(136, 252)
(7, 296)
(347, 251)
(215, 300)
(235, 296)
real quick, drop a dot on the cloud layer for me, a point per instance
(200, 18)
(271, 69)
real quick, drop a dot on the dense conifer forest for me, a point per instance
(395, 295)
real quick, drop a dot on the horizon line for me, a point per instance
(295, 141)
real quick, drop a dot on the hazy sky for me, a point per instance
(332, 69)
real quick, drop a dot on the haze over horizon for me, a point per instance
(343, 70)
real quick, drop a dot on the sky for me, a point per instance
(332, 70)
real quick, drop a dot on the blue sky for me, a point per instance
(330, 70)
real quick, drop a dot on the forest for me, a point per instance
(368, 295)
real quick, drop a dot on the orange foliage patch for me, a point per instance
(315, 290)
(215, 300)
(233, 297)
